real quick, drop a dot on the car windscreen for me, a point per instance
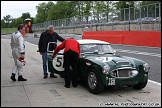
(99, 48)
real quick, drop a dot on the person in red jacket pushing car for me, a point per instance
(71, 55)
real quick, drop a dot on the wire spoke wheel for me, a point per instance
(92, 80)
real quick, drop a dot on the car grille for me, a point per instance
(122, 63)
(121, 72)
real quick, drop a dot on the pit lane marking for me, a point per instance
(138, 52)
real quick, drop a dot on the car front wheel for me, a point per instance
(140, 85)
(94, 83)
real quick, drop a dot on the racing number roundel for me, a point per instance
(58, 63)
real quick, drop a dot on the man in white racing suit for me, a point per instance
(18, 52)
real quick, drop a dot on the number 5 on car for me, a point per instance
(58, 63)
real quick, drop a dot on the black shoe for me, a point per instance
(53, 76)
(45, 76)
(67, 86)
(74, 86)
(20, 78)
(13, 77)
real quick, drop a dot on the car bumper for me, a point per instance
(125, 81)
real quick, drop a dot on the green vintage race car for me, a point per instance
(100, 67)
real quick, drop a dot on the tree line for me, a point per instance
(68, 9)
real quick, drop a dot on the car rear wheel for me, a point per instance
(94, 83)
(140, 85)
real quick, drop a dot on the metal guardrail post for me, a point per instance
(140, 17)
(65, 26)
(59, 25)
(91, 23)
(129, 17)
(159, 15)
(124, 14)
(155, 10)
(134, 14)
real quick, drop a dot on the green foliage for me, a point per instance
(8, 30)
(16, 22)
(7, 18)
(42, 12)
(25, 16)
(3, 24)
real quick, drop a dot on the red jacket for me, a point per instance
(68, 44)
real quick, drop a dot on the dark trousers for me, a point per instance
(44, 58)
(71, 59)
(45, 69)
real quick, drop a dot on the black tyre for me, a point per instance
(94, 83)
(111, 87)
(140, 85)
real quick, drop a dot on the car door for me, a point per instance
(55, 65)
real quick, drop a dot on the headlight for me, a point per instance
(146, 67)
(106, 69)
(133, 73)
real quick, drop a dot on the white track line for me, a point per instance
(137, 46)
(30, 43)
(138, 52)
(156, 83)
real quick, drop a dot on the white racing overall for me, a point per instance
(18, 48)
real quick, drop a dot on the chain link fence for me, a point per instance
(146, 17)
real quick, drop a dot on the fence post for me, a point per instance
(58, 25)
(120, 14)
(129, 17)
(159, 15)
(124, 14)
(82, 25)
(134, 13)
(147, 10)
(65, 26)
(159, 10)
(91, 23)
(141, 20)
(155, 10)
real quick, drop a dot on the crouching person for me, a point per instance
(71, 55)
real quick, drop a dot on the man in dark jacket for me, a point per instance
(71, 55)
(48, 36)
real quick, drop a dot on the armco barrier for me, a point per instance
(139, 38)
